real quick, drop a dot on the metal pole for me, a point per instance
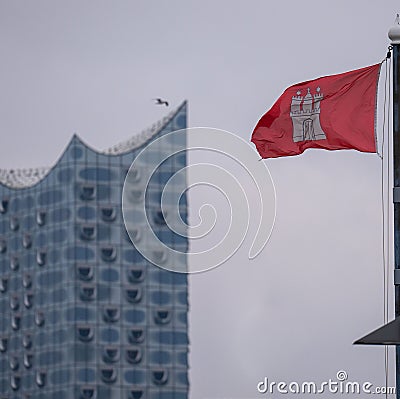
(394, 35)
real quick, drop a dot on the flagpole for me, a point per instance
(394, 36)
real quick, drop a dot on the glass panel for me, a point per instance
(85, 333)
(134, 376)
(41, 217)
(14, 363)
(50, 197)
(133, 295)
(134, 316)
(14, 223)
(27, 240)
(160, 377)
(60, 215)
(87, 232)
(27, 341)
(88, 192)
(85, 272)
(3, 344)
(110, 275)
(108, 375)
(136, 393)
(15, 382)
(108, 254)
(111, 314)
(110, 335)
(41, 256)
(14, 302)
(14, 263)
(96, 174)
(161, 297)
(133, 355)
(110, 354)
(108, 214)
(87, 292)
(135, 335)
(28, 360)
(135, 275)
(3, 284)
(16, 322)
(40, 378)
(87, 392)
(3, 205)
(87, 212)
(3, 245)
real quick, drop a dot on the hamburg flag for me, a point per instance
(333, 112)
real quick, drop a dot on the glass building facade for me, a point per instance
(83, 314)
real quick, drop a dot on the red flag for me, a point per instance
(333, 112)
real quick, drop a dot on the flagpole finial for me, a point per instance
(394, 31)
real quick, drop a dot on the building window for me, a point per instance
(28, 299)
(111, 314)
(108, 213)
(134, 235)
(14, 223)
(108, 375)
(16, 321)
(133, 295)
(162, 316)
(110, 335)
(88, 392)
(87, 232)
(159, 218)
(27, 341)
(88, 192)
(110, 354)
(41, 256)
(135, 195)
(3, 284)
(27, 240)
(14, 363)
(109, 253)
(160, 256)
(28, 360)
(3, 205)
(87, 292)
(14, 302)
(15, 382)
(41, 217)
(40, 378)
(85, 333)
(14, 263)
(85, 272)
(133, 355)
(27, 280)
(135, 275)
(39, 318)
(110, 275)
(161, 297)
(136, 394)
(133, 175)
(135, 335)
(160, 377)
(3, 344)
(3, 245)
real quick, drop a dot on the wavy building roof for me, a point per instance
(27, 177)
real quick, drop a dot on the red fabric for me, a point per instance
(346, 119)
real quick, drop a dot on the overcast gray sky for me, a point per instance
(92, 68)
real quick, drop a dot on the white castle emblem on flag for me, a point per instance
(304, 112)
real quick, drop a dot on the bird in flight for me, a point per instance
(160, 101)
